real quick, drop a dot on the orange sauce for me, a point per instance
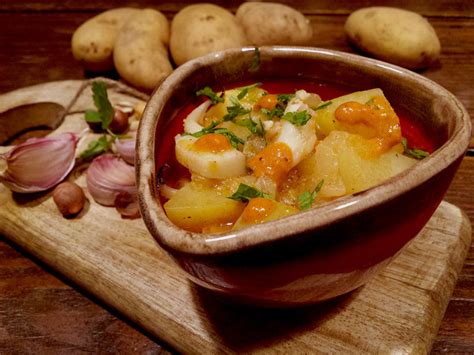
(274, 161)
(213, 143)
(268, 102)
(378, 115)
(257, 210)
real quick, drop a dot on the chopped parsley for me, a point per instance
(276, 112)
(279, 109)
(299, 118)
(245, 90)
(105, 112)
(320, 107)
(236, 109)
(208, 92)
(413, 152)
(212, 128)
(252, 126)
(306, 199)
(285, 98)
(245, 193)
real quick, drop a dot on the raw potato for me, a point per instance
(398, 36)
(273, 24)
(93, 42)
(203, 28)
(140, 54)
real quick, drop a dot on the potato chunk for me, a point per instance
(195, 207)
(325, 117)
(341, 157)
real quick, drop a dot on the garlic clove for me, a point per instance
(38, 164)
(125, 147)
(107, 177)
(127, 205)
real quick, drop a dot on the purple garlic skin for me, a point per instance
(38, 164)
(107, 177)
(126, 147)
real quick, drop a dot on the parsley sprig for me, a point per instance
(207, 91)
(97, 147)
(105, 111)
(245, 193)
(103, 116)
(413, 152)
(212, 128)
(306, 199)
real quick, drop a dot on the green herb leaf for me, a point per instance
(285, 98)
(212, 128)
(96, 148)
(299, 118)
(276, 112)
(253, 127)
(101, 101)
(235, 110)
(93, 116)
(320, 107)
(255, 65)
(245, 193)
(279, 109)
(207, 91)
(244, 90)
(413, 152)
(306, 199)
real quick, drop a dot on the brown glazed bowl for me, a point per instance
(326, 251)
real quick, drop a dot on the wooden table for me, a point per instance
(42, 312)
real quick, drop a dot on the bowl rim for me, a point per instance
(177, 239)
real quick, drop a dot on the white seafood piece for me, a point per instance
(300, 139)
(219, 165)
(191, 122)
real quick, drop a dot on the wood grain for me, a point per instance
(36, 36)
(119, 262)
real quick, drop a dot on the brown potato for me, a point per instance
(274, 24)
(140, 54)
(203, 28)
(398, 36)
(93, 42)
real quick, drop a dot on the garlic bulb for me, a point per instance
(107, 177)
(126, 147)
(39, 163)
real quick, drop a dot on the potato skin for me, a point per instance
(93, 42)
(140, 54)
(203, 28)
(274, 24)
(395, 35)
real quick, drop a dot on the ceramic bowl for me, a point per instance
(326, 251)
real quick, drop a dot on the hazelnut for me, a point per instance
(119, 123)
(69, 198)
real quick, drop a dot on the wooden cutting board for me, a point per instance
(118, 261)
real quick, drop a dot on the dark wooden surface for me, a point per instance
(42, 313)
